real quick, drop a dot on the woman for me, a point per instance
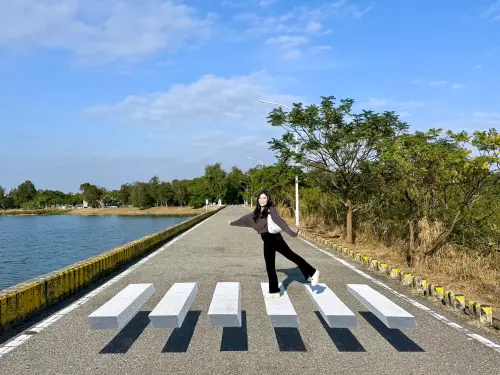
(274, 242)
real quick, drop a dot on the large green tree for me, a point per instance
(335, 141)
(438, 178)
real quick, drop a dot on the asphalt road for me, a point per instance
(214, 252)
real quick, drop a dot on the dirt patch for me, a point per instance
(163, 211)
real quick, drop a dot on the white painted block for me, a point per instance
(280, 310)
(225, 308)
(171, 311)
(335, 313)
(120, 309)
(382, 307)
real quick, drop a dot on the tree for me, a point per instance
(124, 194)
(332, 140)
(165, 193)
(92, 194)
(3, 199)
(180, 191)
(154, 185)
(438, 179)
(140, 195)
(25, 192)
(198, 192)
(216, 179)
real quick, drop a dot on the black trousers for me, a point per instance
(275, 242)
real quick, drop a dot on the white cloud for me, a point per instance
(438, 83)
(377, 103)
(212, 100)
(287, 41)
(404, 114)
(292, 54)
(402, 108)
(319, 48)
(492, 118)
(106, 30)
(478, 66)
(457, 86)
(345, 7)
(408, 104)
(313, 27)
(493, 12)
(266, 3)
(304, 22)
(290, 45)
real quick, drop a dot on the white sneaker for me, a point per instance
(314, 278)
(272, 295)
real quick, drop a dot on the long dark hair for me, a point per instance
(259, 212)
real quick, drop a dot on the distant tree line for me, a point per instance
(363, 173)
(215, 184)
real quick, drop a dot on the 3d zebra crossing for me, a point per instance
(225, 307)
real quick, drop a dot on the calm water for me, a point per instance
(31, 246)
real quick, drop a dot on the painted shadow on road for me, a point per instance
(289, 339)
(124, 340)
(180, 338)
(292, 274)
(343, 338)
(395, 337)
(235, 338)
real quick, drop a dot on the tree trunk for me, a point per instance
(442, 237)
(412, 234)
(416, 259)
(349, 221)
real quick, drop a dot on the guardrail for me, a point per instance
(22, 301)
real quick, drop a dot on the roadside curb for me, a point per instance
(20, 302)
(477, 310)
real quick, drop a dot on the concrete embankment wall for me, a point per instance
(22, 301)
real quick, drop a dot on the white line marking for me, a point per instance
(484, 341)
(443, 319)
(7, 347)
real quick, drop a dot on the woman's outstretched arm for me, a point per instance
(282, 223)
(244, 221)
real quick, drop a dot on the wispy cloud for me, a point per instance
(266, 3)
(493, 11)
(194, 104)
(305, 22)
(438, 83)
(103, 31)
(457, 86)
(346, 7)
(402, 108)
(290, 45)
(492, 118)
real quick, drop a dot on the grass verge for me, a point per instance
(466, 272)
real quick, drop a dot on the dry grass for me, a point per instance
(163, 211)
(175, 210)
(467, 272)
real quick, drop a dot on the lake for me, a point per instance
(31, 246)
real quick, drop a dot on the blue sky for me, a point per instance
(111, 92)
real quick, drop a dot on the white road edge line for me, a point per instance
(19, 340)
(479, 338)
